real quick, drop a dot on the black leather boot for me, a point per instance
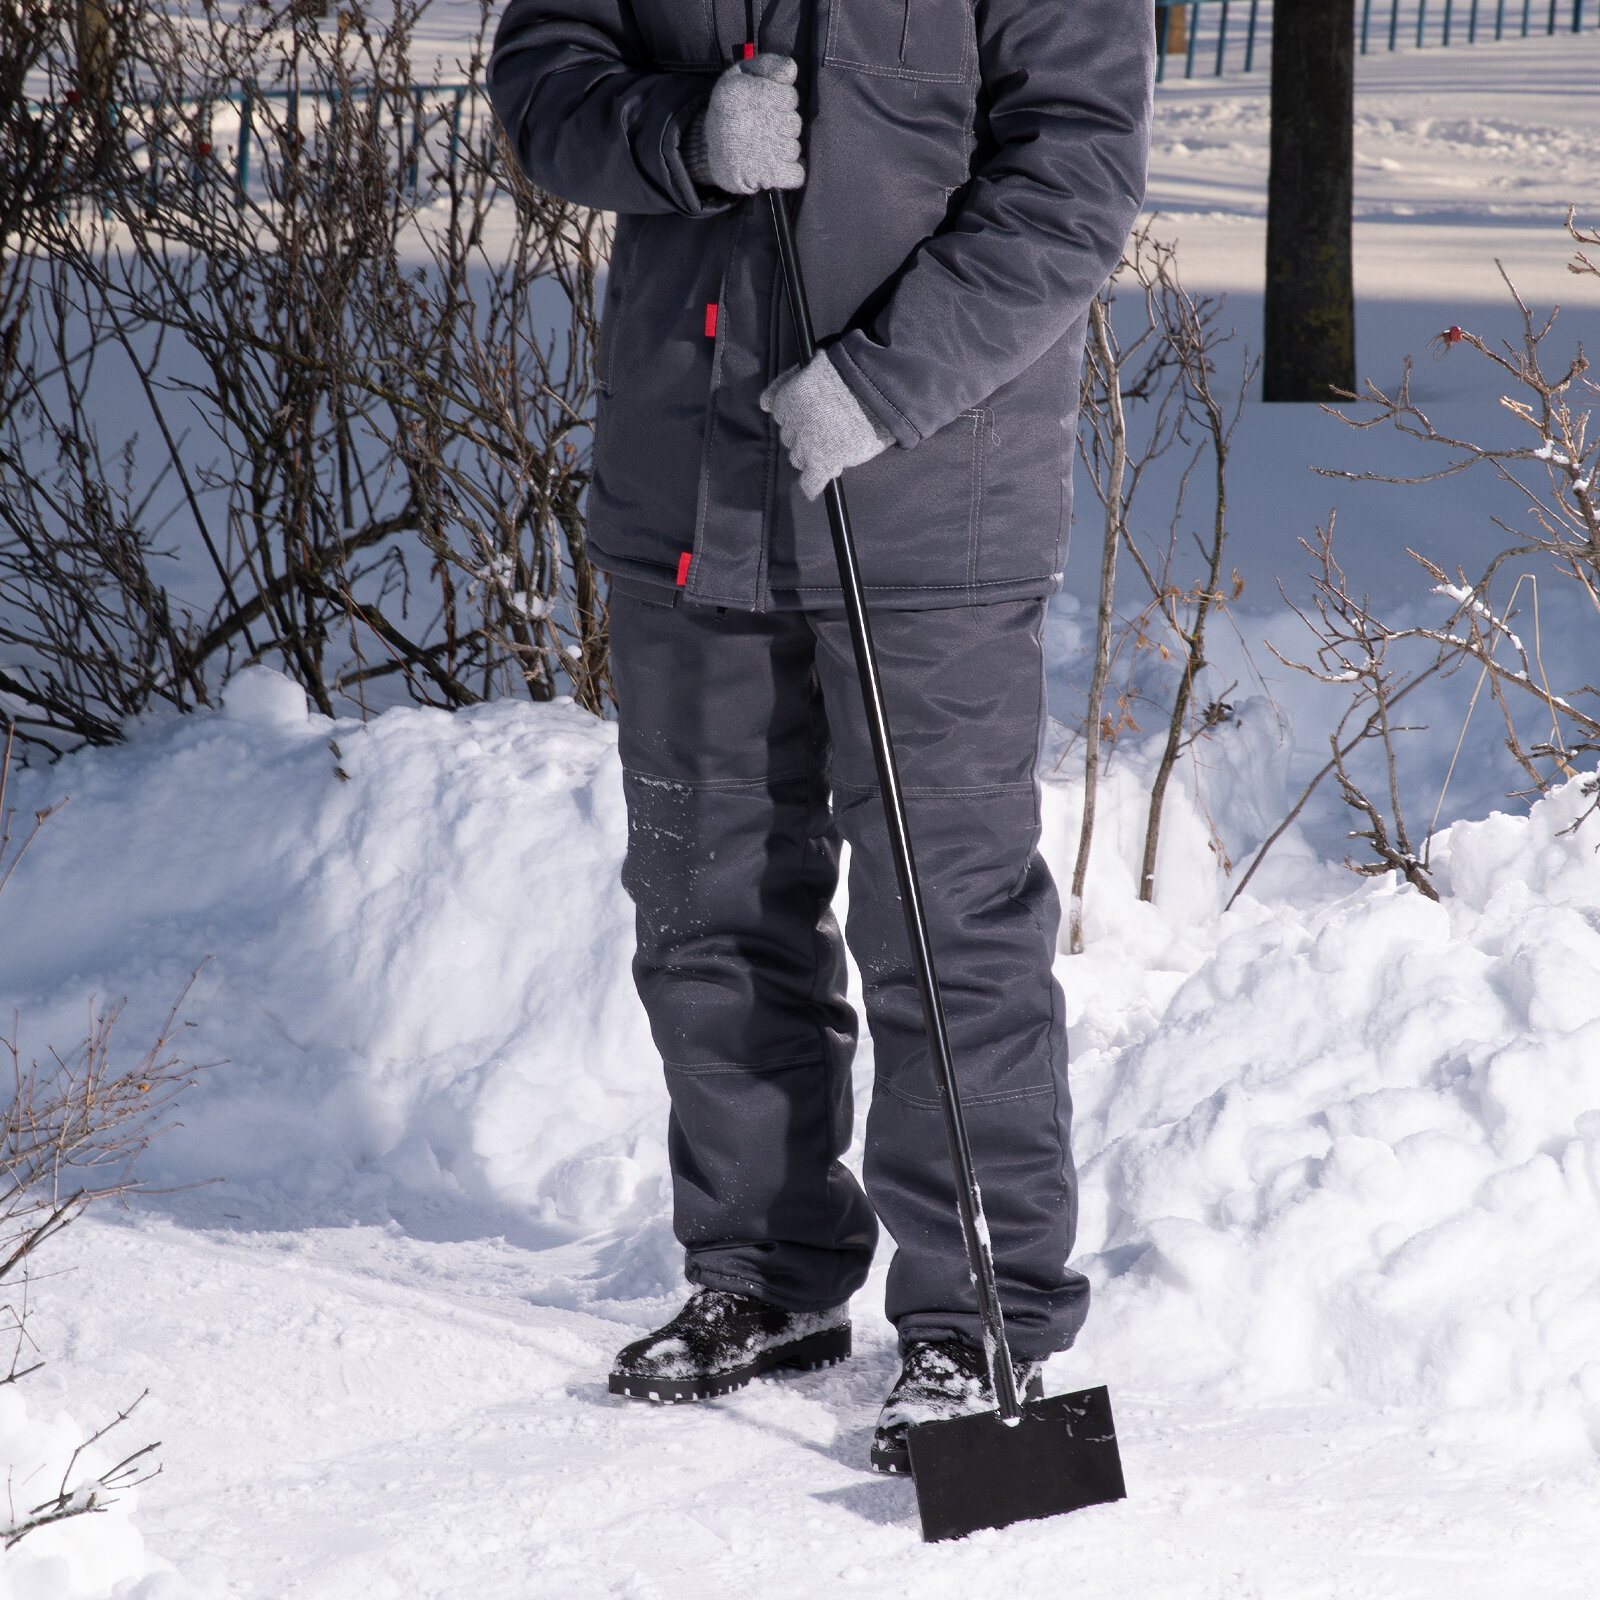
(719, 1341)
(939, 1378)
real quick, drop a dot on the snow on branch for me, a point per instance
(89, 1495)
(1352, 649)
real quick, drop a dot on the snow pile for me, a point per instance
(83, 1557)
(1339, 1138)
(418, 981)
(1359, 1148)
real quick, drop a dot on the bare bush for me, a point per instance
(1103, 444)
(1553, 475)
(77, 1496)
(362, 349)
(1191, 332)
(72, 1129)
(43, 146)
(1353, 649)
(1143, 395)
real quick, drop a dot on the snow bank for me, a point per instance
(86, 1557)
(1359, 1149)
(1339, 1138)
(419, 955)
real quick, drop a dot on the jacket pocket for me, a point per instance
(926, 41)
(920, 511)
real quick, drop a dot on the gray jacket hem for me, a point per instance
(659, 584)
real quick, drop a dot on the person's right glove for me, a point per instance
(748, 137)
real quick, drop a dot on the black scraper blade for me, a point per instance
(976, 1472)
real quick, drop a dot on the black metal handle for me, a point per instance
(968, 1199)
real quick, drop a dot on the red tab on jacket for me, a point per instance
(683, 568)
(749, 49)
(711, 320)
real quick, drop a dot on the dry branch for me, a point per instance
(92, 1495)
(388, 474)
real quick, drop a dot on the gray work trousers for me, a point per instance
(745, 762)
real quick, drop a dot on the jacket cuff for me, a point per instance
(844, 354)
(694, 196)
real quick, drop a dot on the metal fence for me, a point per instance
(434, 109)
(1206, 38)
(229, 132)
(1199, 38)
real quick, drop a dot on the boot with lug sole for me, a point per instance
(939, 1378)
(719, 1341)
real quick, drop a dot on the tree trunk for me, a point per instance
(1176, 42)
(1310, 307)
(94, 54)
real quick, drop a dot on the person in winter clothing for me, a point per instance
(963, 175)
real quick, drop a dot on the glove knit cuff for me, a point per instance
(695, 152)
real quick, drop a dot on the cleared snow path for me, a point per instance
(1462, 155)
(349, 1412)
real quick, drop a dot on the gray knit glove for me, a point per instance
(748, 137)
(823, 426)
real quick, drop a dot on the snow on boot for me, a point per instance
(939, 1378)
(719, 1341)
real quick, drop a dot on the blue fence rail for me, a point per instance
(1204, 37)
(229, 129)
(1209, 37)
(411, 99)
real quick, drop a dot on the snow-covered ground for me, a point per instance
(1462, 155)
(1465, 156)
(1341, 1157)
(1340, 1146)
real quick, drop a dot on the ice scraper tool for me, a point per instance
(1020, 1461)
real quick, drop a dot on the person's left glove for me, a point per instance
(748, 137)
(823, 426)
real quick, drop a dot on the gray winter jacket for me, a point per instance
(973, 168)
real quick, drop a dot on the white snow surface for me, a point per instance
(1340, 1154)
(1462, 156)
(88, 1555)
(1339, 1146)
